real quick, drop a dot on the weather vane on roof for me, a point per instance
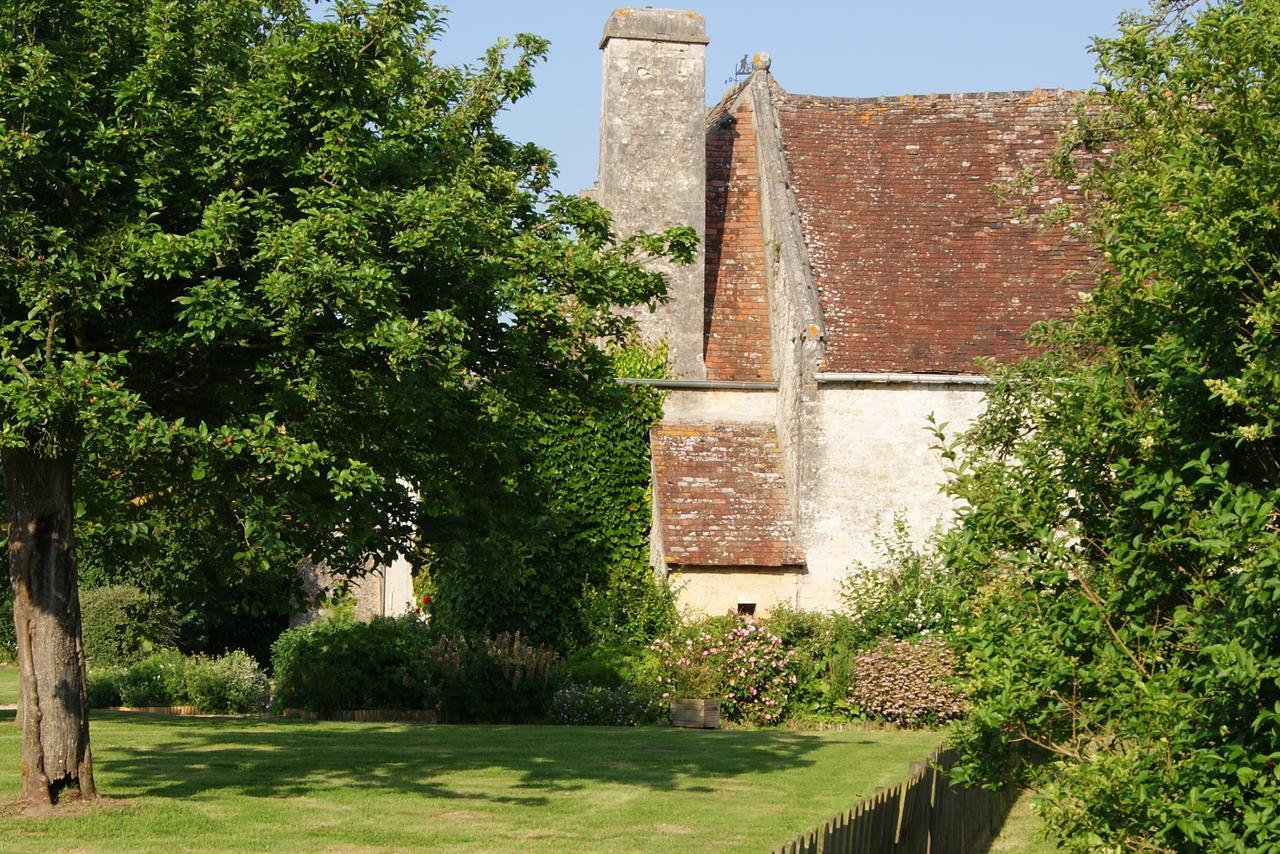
(743, 70)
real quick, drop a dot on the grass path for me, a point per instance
(225, 784)
(1021, 831)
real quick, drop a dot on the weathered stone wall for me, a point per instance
(382, 592)
(872, 456)
(713, 590)
(653, 157)
(876, 458)
(796, 324)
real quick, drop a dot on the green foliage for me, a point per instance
(284, 290)
(502, 680)
(229, 684)
(159, 679)
(733, 659)
(8, 634)
(597, 705)
(567, 560)
(338, 665)
(908, 683)
(121, 624)
(910, 592)
(823, 645)
(611, 666)
(1122, 488)
(104, 687)
(404, 663)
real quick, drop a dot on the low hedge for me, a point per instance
(229, 684)
(401, 663)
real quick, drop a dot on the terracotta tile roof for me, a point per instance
(736, 319)
(918, 266)
(720, 496)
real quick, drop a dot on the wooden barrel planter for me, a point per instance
(697, 714)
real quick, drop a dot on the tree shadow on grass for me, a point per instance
(174, 757)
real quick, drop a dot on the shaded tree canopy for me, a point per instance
(268, 285)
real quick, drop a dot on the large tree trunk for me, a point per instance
(53, 705)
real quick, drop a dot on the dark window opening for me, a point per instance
(747, 609)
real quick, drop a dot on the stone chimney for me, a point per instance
(653, 157)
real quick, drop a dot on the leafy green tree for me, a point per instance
(268, 276)
(1122, 488)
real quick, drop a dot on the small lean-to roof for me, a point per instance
(919, 266)
(720, 496)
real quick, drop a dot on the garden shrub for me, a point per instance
(8, 634)
(229, 684)
(734, 659)
(502, 680)
(122, 624)
(596, 705)
(909, 592)
(611, 666)
(908, 683)
(402, 663)
(328, 666)
(104, 688)
(824, 646)
(158, 680)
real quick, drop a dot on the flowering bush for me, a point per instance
(739, 662)
(592, 705)
(690, 666)
(157, 680)
(910, 592)
(907, 683)
(760, 676)
(232, 683)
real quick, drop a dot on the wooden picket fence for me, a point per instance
(923, 815)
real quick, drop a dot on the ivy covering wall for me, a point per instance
(564, 555)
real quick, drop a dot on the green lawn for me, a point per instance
(1021, 833)
(8, 684)
(229, 784)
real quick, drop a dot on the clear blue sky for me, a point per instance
(851, 49)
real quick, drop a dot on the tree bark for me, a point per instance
(53, 704)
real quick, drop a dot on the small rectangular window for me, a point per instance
(747, 609)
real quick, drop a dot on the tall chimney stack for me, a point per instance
(653, 157)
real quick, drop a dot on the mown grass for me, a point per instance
(1022, 832)
(8, 684)
(228, 784)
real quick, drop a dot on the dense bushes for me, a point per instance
(909, 683)
(594, 705)
(229, 684)
(735, 660)
(910, 591)
(403, 664)
(121, 624)
(332, 665)
(1121, 489)
(503, 680)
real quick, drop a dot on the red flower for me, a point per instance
(426, 600)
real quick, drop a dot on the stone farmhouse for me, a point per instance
(856, 262)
